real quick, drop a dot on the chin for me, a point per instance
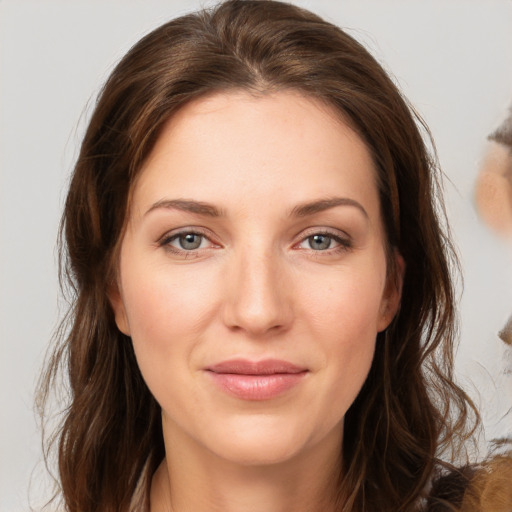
(259, 451)
(263, 440)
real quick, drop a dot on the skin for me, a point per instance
(258, 286)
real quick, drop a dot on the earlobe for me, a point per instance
(116, 301)
(391, 299)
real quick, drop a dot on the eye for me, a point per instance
(185, 242)
(324, 242)
(319, 242)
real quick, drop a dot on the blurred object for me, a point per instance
(503, 135)
(490, 489)
(493, 191)
(506, 333)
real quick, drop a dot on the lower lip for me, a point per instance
(257, 387)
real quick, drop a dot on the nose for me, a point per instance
(259, 298)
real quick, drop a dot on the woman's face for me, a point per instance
(252, 275)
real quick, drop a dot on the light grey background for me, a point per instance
(451, 58)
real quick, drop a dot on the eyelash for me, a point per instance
(344, 243)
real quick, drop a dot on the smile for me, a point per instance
(256, 381)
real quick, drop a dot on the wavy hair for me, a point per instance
(409, 412)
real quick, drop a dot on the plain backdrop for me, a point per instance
(451, 58)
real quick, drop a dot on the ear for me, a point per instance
(116, 301)
(392, 295)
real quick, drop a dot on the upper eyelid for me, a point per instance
(187, 229)
(334, 232)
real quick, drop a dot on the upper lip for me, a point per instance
(264, 367)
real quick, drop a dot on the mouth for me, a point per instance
(256, 380)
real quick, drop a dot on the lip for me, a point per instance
(256, 380)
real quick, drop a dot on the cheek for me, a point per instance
(346, 304)
(343, 320)
(161, 304)
(167, 312)
(348, 327)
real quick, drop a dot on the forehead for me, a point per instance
(240, 145)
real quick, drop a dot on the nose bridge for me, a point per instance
(257, 301)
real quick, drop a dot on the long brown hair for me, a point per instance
(409, 411)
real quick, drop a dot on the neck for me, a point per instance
(189, 480)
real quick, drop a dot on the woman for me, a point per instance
(264, 314)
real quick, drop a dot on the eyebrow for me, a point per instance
(301, 210)
(312, 207)
(187, 205)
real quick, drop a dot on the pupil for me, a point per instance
(320, 242)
